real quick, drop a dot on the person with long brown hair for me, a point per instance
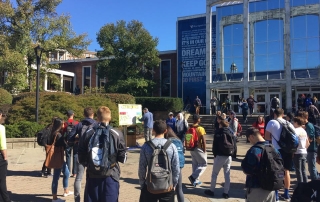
(170, 135)
(59, 141)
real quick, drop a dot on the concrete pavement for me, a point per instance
(25, 184)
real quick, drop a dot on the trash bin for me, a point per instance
(131, 136)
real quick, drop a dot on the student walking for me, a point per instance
(58, 140)
(72, 147)
(255, 158)
(259, 124)
(170, 135)
(251, 102)
(77, 133)
(181, 127)
(147, 120)
(300, 156)
(222, 157)
(147, 162)
(198, 154)
(103, 171)
(171, 121)
(233, 125)
(4, 195)
(245, 108)
(197, 104)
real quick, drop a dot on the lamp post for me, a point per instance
(38, 52)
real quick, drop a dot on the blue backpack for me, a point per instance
(102, 151)
(245, 106)
(308, 102)
(179, 146)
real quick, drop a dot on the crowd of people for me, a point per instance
(278, 144)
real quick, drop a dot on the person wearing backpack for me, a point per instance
(4, 195)
(222, 149)
(181, 127)
(57, 139)
(159, 157)
(273, 132)
(300, 156)
(197, 150)
(106, 148)
(76, 133)
(244, 107)
(233, 125)
(67, 128)
(261, 183)
(312, 149)
(313, 113)
(170, 135)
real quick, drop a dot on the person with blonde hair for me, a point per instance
(102, 183)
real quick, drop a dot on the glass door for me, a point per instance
(261, 105)
(234, 102)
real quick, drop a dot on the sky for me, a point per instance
(159, 17)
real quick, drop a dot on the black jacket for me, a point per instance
(78, 128)
(219, 139)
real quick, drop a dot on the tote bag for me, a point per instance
(55, 155)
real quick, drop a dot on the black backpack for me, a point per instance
(271, 170)
(102, 151)
(307, 192)
(70, 126)
(86, 132)
(275, 103)
(42, 136)
(226, 147)
(288, 140)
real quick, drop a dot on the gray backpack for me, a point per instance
(159, 177)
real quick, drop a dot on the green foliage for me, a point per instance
(5, 97)
(131, 53)
(56, 104)
(114, 97)
(160, 104)
(23, 129)
(24, 25)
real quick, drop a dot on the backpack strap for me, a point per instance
(151, 144)
(167, 144)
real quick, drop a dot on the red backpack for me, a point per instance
(191, 140)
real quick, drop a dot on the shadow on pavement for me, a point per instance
(29, 197)
(23, 173)
(130, 180)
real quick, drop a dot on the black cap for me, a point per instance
(195, 117)
(70, 113)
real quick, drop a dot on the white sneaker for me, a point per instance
(68, 194)
(58, 200)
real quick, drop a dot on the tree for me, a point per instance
(127, 58)
(29, 23)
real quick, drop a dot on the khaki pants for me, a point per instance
(261, 195)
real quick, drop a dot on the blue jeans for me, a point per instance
(311, 158)
(68, 158)
(56, 176)
(77, 182)
(101, 189)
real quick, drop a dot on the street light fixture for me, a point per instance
(38, 51)
(233, 68)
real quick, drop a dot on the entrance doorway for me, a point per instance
(234, 102)
(264, 100)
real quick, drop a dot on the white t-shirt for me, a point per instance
(275, 129)
(302, 135)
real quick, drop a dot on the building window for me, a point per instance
(67, 84)
(165, 78)
(86, 77)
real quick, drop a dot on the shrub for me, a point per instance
(160, 104)
(5, 97)
(56, 104)
(114, 97)
(23, 129)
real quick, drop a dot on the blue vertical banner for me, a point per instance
(191, 33)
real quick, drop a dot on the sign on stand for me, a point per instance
(129, 114)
